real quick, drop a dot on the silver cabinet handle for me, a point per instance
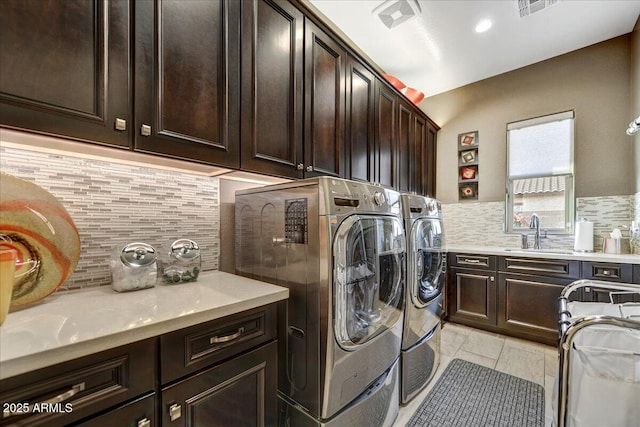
(121, 124)
(175, 411)
(145, 130)
(75, 389)
(66, 395)
(492, 278)
(606, 272)
(309, 168)
(300, 166)
(145, 422)
(226, 338)
(472, 261)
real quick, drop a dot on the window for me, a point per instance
(540, 173)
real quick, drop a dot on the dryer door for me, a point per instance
(368, 254)
(426, 275)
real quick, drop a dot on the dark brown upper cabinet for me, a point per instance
(359, 137)
(428, 163)
(324, 93)
(272, 88)
(186, 79)
(64, 68)
(386, 138)
(407, 144)
(418, 180)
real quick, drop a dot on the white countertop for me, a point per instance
(546, 253)
(72, 324)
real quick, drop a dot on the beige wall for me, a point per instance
(635, 91)
(594, 81)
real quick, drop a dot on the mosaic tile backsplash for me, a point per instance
(114, 204)
(481, 223)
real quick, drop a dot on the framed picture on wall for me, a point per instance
(467, 140)
(468, 191)
(468, 156)
(468, 173)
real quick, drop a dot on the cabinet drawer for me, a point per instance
(73, 390)
(191, 349)
(482, 262)
(139, 413)
(609, 272)
(540, 267)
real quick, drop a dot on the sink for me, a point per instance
(541, 251)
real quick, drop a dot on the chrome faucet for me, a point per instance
(535, 223)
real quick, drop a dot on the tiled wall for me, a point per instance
(114, 204)
(482, 223)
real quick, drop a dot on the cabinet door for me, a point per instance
(324, 103)
(529, 305)
(240, 392)
(406, 147)
(386, 143)
(64, 68)
(418, 180)
(429, 161)
(272, 75)
(360, 118)
(472, 296)
(186, 89)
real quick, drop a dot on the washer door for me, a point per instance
(427, 269)
(368, 254)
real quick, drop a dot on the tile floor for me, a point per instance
(531, 361)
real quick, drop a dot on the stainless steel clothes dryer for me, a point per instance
(420, 354)
(339, 247)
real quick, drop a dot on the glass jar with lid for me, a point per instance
(184, 262)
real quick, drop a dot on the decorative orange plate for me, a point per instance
(38, 227)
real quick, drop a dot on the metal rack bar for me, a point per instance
(568, 331)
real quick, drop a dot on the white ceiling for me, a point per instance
(439, 50)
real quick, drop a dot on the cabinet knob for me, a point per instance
(121, 124)
(145, 130)
(145, 422)
(309, 168)
(175, 411)
(300, 166)
(492, 278)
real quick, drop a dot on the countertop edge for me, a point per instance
(49, 357)
(561, 254)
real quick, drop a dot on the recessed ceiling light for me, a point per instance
(484, 25)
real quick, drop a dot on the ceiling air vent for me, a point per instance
(394, 12)
(528, 7)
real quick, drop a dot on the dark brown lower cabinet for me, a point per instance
(77, 390)
(239, 392)
(472, 296)
(218, 373)
(508, 295)
(528, 306)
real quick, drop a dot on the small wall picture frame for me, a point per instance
(467, 140)
(468, 156)
(468, 191)
(468, 173)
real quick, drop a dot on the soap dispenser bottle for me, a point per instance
(634, 238)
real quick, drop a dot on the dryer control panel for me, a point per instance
(296, 221)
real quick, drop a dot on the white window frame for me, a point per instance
(569, 177)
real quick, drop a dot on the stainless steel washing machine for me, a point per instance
(426, 259)
(339, 247)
